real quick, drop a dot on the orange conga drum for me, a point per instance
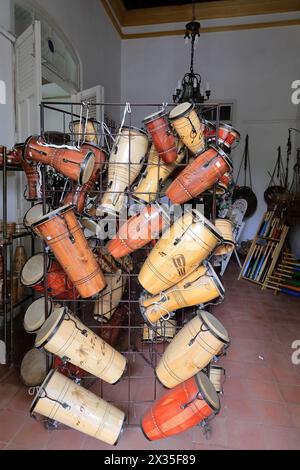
(72, 162)
(62, 233)
(199, 175)
(181, 408)
(139, 230)
(58, 284)
(33, 191)
(162, 137)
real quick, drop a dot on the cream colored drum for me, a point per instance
(225, 226)
(110, 297)
(35, 315)
(87, 130)
(156, 173)
(125, 163)
(201, 286)
(61, 399)
(160, 333)
(217, 377)
(192, 349)
(179, 251)
(35, 213)
(66, 336)
(33, 367)
(188, 126)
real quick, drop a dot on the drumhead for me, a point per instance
(207, 224)
(224, 155)
(90, 225)
(87, 168)
(33, 270)
(49, 327)
(208, 391)
(35, 213)
(33, 367)
(34, 317)
(42, 389)
(154, 116)
(180, 110)
(216, 279)
(214, 325)
(52, 214)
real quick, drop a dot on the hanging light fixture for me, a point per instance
(190, 88)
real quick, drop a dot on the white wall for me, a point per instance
(253, 67)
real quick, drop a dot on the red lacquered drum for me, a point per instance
(33, 190)
(35, 213)
(59, 286)
(71, 162)
(227, 135)
(79, 194)
(181, 408)
(209, 130)
(13, 156)
(158, 127)
(35, 316)
(199, 175)
(139, 230)
(62, 233)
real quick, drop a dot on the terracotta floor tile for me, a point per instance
(11, 423)
(21, 401)
(240, 408)
(3, 445)
(290, 393)
(260, 390)
(7, 392)
(32, 432)
(218, 436)
(272, 413)
(294, 411)
(244, 434)
(66, 439)
(281, 438)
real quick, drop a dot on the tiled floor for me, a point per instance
(261, 403)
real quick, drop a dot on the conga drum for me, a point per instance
(33, 190)
(125, 163)
(199, 175)
(179, 409)
(192, 349)
(199, 287)
(61, 399)
(35, 213)
(179, 251)
(217, 377)
(156, 172)
(157, 126)
(160, 332)
(33, 370)
(62, 233)
(139, 230)
(187, 124)
(110, 297)
(35, 316)
(72, 162)
(87, 130)
(225, 226)
(58, 284)
(66, 336)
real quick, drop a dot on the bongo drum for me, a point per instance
(224, 183)
(147, 189)
(199, 175)
(125, 163)
(33, 368)
(209, 131)
(227, 135)
(61, 399)
(188, 126)
(217, 377)
(160, 333)
(192, 349)
(62, 233)
(179, 251)
(71, 162)
(58, 284)
(35, 213)
(179, 409)
(110, 297)
(66, 336)
(85, 130)
(35, 316)
(139, 230)
(225, 226)
(201, 286)
(162, 137)
(33, 191)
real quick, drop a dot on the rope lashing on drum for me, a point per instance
(202, 329)
(71, 236)
(127, 109)
(61, 403)
(106, 130)
(193, 132)
(198, 396)
(68, 318)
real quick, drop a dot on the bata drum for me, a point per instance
(110, 297)
(125, 163)
(139, 230)
(86, 130)
(225, 226)
(179, 251)
(61, 399)
(35, 213)
(188, 126)
(201, 286)
(217, 377)
(58, 285)
(156, 174)
(160, 332)
(66, 336)
(192, 349)
(33, 190)
(71, 162)
(35, 315)
(33, 368)
(181, 408)
(62, 233)
(162, 137)
(199, 175)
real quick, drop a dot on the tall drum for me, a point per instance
(66, 336)
(192, 349)
(201, 286)
(181, 408)
(33, 191)
(162, 137)
(109, 299)
(179, 251)
(188, 126)
(125, 163)
(225, 226)
(62, 233)
(35, 213)
(61, 399)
